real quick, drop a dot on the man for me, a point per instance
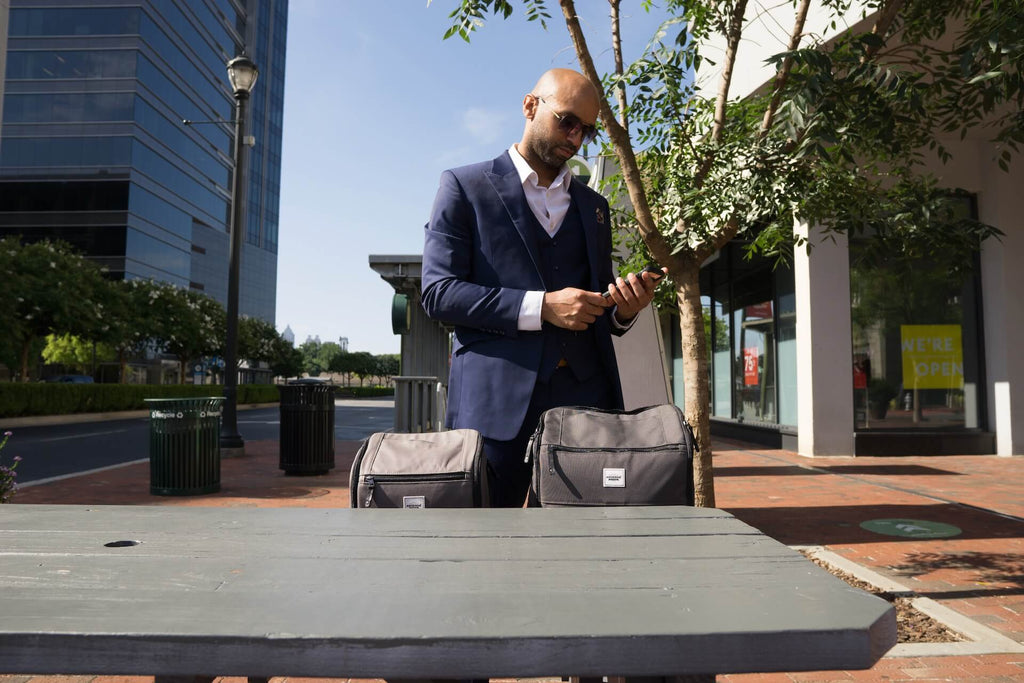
(516, 256)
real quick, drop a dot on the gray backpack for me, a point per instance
(427, 470)
(588, 456)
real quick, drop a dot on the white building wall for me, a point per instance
(766, 33)
(1002, 204)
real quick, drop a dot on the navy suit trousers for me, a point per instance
(511, 473)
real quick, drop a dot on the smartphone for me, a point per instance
(649, 268)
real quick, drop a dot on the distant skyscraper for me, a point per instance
(288, 335)
(4, 11)
(93, 151)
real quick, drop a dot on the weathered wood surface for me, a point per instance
(418, 593)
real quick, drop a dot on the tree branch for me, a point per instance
(620, 89)
(619, 137)
(734, 32)
(787, 66)
(883, 22)
(733, 35)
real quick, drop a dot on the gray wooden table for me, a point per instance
(417, 593)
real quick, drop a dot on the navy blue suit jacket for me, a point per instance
(479, 260)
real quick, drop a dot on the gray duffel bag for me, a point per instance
(589, 456)
(428, 470)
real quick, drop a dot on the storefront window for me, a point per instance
(721, 326)
(785, 325)
(750, 330)
(916, 360)
(753, 333)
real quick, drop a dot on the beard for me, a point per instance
(552, 154)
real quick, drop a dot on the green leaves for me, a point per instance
(468, 16)
(48, 288)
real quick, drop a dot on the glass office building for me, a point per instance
(93, 150)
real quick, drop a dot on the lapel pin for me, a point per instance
(599, 214)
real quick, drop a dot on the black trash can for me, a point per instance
(307, 428)
(184, 445)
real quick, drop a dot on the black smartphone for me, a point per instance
(649, 268)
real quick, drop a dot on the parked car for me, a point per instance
(70, 379)
(309, 380)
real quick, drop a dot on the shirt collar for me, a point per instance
(527, 174)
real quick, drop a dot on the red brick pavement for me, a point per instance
(799, 501)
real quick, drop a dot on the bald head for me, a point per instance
(566, 83)
(560, 107)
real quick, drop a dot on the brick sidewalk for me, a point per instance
(799, 501)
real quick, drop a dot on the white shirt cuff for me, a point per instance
(529, 312)
(620, 326)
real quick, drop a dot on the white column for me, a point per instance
(1000, 204)
(824, 345)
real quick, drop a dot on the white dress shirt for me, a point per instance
(549, 205)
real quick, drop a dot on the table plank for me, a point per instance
(424, 593)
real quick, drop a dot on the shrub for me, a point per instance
(24, 399)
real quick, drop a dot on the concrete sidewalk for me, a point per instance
(849, 508)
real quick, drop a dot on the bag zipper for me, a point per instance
(371, 480)
(693, 437)
(537, 431)
(615, 449)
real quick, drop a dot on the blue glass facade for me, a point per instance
(93, 150)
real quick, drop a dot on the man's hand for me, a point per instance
(573, 309)
(632, 294)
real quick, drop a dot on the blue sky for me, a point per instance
(376, 106)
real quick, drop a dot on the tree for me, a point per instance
(344, 364)
(132, 324)
(67, 349)
(48, 288)
(836, 140)
(359, 363)
(319, 356)
(286, 361)
(257, 340)
(363, 364)
(389, 365)
(189, 324)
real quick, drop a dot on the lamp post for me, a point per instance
(242, 73)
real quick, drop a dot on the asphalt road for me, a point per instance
(58, 450)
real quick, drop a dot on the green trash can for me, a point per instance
(307, 428)
(184, 445)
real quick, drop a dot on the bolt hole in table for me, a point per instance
(399, 594)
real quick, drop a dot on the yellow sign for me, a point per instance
(933, 357)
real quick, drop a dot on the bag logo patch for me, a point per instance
(415, 502)
(614, 477)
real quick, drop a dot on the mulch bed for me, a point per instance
(911, 626)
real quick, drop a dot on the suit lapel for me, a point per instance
(588, 211)
(509, 188)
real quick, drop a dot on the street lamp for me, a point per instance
(242, 73)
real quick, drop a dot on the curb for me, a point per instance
(79, 418)
(981, 640)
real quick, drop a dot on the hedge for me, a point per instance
(41, 398)
(363, 392)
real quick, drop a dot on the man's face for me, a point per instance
(549, 140)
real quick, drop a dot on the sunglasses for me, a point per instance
(570, 123)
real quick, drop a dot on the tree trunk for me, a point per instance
(695, 377)
(25, 345)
